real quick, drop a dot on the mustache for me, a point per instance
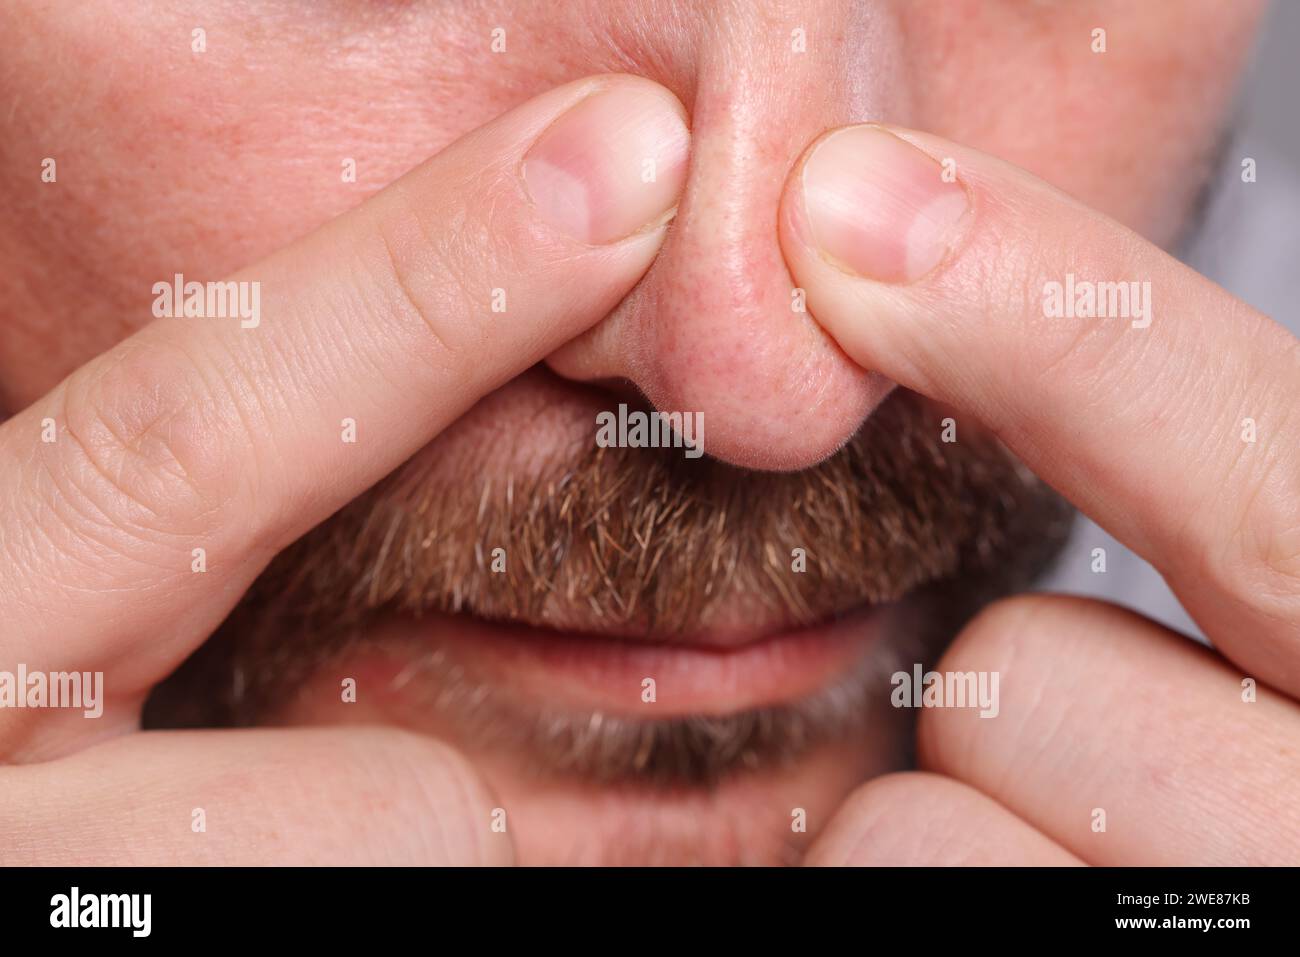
(639, 542)
(643, 541)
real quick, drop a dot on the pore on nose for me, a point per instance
(716, 326)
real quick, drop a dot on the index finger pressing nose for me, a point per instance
(205, 443)
(1159, 404)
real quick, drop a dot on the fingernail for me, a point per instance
(612, 165)
(879, 207)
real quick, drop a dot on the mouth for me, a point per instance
(665, 712)
(715, 672)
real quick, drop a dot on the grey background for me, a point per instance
(1274, 100)
(1249, 243)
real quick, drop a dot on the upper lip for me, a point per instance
(728, 625)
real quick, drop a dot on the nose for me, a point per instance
(716, 326)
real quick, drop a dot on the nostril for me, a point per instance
(772, 390)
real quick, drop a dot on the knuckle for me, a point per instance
(152, 445)
(1260, 563)
(1250, 545)
(438, 280)
(1010, 280)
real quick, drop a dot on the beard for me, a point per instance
(641, 544)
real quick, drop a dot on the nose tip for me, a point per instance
(717, 327)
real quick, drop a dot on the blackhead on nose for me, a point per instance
(717, 327)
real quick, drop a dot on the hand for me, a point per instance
(1141, 420)
(226, 436)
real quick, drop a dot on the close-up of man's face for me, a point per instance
(648, 654)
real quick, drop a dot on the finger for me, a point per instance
(201, 433)
(1123, 742)
(360, 796)
(916, 819)
(951, 289)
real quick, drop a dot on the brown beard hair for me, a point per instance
(646, 542)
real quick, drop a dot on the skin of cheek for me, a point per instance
(1128, 131)
(172, 160)
(175, 161)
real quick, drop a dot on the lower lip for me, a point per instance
(566, 671)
